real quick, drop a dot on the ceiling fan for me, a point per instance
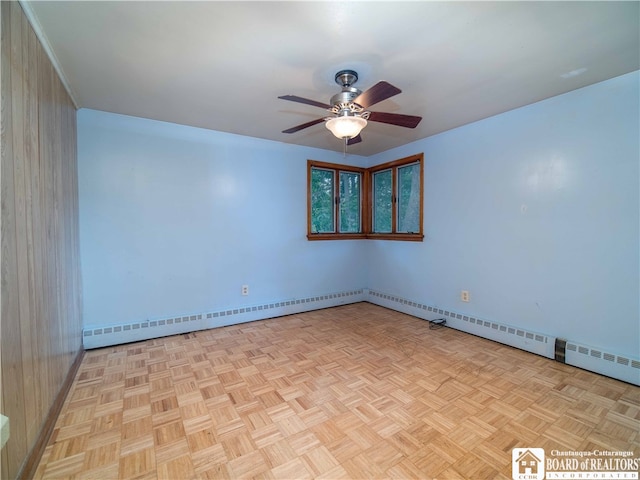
(348, 109)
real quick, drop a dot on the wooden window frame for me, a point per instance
(394, 166)
(336, 168)
(366, 205)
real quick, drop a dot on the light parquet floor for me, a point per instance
(357, 391)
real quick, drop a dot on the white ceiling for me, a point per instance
(222, 65)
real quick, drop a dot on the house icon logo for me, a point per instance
(527, 463)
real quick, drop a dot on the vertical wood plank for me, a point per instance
(34, 220)
(49, 324)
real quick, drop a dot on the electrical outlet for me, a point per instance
(464, 295)
(245, 289)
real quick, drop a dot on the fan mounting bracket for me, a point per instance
(346, 78)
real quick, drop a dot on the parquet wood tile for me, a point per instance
(356, 391)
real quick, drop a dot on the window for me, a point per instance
(397, 198)
(383, 202)
(335, 201)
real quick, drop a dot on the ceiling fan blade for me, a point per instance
(294, 98)
(297, 128)
(408, 121)
(379, 92)
(354, 140)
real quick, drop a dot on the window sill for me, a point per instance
(405, 237)
(336, 236)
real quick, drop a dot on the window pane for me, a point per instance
(322, 188)
(349, 202)
(409, 198)
(382, 190)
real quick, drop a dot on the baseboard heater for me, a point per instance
(594, 359)
(104, 336)
(533, 342)
(621, 367)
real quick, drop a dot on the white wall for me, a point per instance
(536, 213)
(174, 220)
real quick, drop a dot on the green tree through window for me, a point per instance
(350, 205)
(409, 198)
(322, 194)
(397, 204)
(383, 202)
(335, 204)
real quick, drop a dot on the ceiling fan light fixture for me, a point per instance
(347, 109)
(346, 126)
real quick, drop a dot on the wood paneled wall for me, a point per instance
(40, 296)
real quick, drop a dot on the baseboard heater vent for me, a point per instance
(594, 359)
(622, 367)
(516, 337)
(589, 358)
(96, 337)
